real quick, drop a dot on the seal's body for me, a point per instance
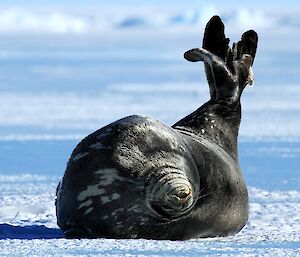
(138, 178)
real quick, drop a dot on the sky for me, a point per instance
(272, 19)
(287, 3)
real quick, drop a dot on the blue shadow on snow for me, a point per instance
(29, 232)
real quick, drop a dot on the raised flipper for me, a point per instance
(228, 71)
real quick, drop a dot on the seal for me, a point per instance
(138, 178)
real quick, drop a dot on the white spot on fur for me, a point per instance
(105, 199)
(105, 217)
(180, 127)
(134, 208)
(212, 121)
(88, 210)
(144, 219)
(92, 190)
(160, 131)
(182, 148)
(202, 131)
(206, 119)
(115, 196)
(98, 146)
(130, 227)
(119, 223)
(105, 133)
(79, 156)
(114, 214)
(108, 176)
(85, 204)
(211, 127)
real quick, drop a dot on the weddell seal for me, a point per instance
(138, 178)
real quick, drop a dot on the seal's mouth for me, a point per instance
(171, 196)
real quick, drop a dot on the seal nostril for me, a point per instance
(184, 194)
(182, 197)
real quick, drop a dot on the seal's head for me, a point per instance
(170, 181)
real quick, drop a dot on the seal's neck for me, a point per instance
(217, 121)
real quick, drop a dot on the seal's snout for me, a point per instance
(171, 198)
(181, 197)
(177, 202)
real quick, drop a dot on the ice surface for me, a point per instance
(274, 114)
